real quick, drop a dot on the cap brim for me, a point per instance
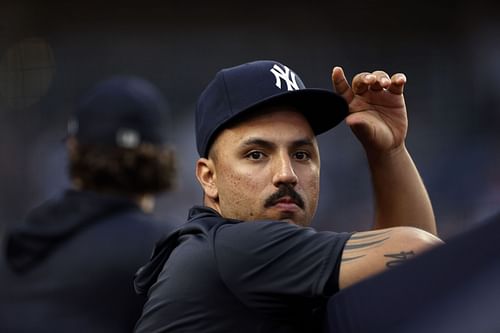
(323, 109)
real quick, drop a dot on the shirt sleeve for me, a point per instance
(274, 264)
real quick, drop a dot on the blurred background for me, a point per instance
(51, 52)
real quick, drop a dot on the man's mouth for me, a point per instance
(286, 204)
(285, 198)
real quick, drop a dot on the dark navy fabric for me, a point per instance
(69, 267)
(221, 275)
(121, 104)
(240, 89)
(452, 288)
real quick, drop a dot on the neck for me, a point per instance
(146, 202)
(211, 204)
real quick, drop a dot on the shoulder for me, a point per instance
(245, 245)
(256, 258)
(127, 234)
(140, 221)
(245, 235)
(264, 231)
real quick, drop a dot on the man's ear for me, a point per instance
(205, 172)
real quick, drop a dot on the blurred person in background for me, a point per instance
(69, 266)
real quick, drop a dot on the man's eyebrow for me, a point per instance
(303, 142)
(253, 141)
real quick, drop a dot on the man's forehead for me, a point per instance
(288, 127)
(272, 116)
(281, 125)
(286, 119)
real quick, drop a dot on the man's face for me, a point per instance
(267, 167)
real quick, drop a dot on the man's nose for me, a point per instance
(283, 171)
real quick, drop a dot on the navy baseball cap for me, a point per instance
(254, 85)
(122, 111)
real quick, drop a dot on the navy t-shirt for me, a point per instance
(223, 275)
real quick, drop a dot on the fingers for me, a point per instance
(398, 82)
(377, 81)
(340, 84)
(362, 81)
(382, 81)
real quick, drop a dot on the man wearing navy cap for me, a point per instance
(247, 261)
(69, 266)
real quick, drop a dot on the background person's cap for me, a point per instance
(246, 87)
(123, 111)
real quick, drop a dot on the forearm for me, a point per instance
(400, 195)
(371, 252)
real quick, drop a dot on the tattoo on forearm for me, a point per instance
(364, 245)
(369, 235)
(352, 258)
(398, 258)
(364, 241)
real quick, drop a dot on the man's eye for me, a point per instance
(301, 156)
(255, 155)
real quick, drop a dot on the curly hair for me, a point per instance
(147, 169)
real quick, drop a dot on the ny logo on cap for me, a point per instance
(128, 138)
(286, 75)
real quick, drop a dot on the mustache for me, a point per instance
(285, 190)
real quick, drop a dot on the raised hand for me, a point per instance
(376, 106)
